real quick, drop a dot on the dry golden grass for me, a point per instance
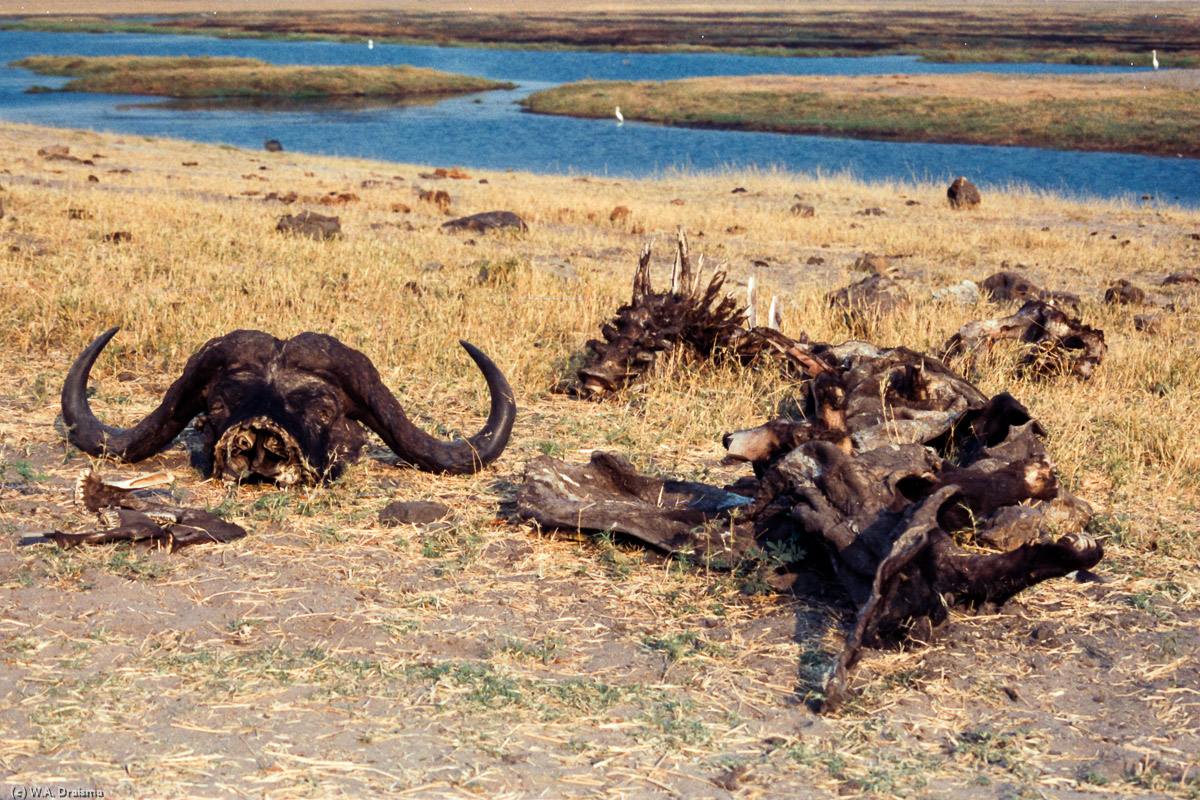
(325, 655)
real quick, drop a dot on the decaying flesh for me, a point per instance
(895, 463)
(284, 410)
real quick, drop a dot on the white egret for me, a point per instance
(1154, 58)
(620, 116)
(370, 44)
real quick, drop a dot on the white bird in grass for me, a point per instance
(620, 116)
(370, 44)
(1154, 58)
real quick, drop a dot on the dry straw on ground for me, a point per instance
(325, 655)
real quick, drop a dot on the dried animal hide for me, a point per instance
(894, 457)
(132, 518)
(1058, 344)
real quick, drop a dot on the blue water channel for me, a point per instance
(490, 131)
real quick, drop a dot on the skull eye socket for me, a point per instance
(323, 412)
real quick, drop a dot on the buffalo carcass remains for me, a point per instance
(895, 476)
(133, 518)
(287, 411)
(692, 317)
(1055, 343)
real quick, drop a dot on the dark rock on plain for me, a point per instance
(487, 221)
(412, 512)
(963, 194)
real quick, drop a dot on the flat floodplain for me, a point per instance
(1064, 31)
(327, 655)
(1143, 113)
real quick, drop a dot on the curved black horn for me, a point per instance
(381, 412)
(183, 401)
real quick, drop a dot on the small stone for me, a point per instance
(412, 512)
(1147, 323)
(487, 221)
(1123, 293)
(1007, 285)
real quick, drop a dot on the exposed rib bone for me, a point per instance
(752, 302)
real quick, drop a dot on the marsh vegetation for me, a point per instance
(1062, 32)
(247, 78)
(1132, 114)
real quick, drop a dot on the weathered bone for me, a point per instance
(752, 302)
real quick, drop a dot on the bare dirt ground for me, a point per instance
(327, 655)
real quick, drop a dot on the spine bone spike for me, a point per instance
(775, 316)
(751, 302)
(685, 262)
(641, 278)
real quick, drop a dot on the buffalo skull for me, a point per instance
(284, 410)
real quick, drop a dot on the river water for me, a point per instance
(489, 131)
